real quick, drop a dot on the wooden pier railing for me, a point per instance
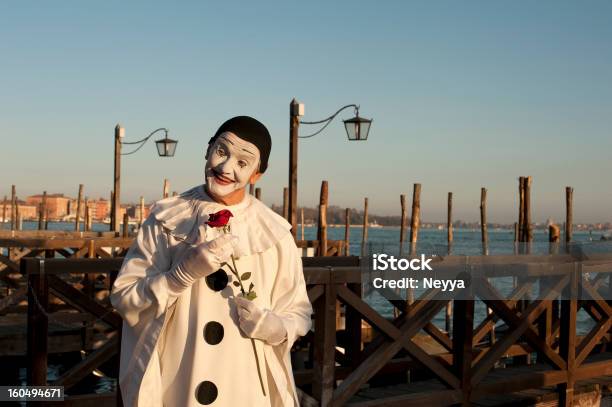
(540, 348)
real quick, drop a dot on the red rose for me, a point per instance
(219, 219)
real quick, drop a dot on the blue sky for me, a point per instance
(463, 95)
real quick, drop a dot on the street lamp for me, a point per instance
(165, 148)
(357, 129)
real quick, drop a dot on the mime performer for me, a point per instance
(212, 291)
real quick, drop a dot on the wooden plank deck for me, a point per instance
(591, 392)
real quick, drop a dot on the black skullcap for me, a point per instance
(250, 130)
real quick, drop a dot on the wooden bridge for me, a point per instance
(355, 355)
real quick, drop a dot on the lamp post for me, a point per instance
(357, 129)
(165, 148)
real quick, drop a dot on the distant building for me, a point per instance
(100, 209)
(58, 205)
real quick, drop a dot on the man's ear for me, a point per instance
(255, 177)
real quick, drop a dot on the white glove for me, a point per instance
(200, 261)
(260, 323)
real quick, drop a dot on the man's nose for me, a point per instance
(226, 166)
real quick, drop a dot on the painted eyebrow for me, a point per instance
(244, 149)
(225, 139)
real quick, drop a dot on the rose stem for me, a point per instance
(234, 271)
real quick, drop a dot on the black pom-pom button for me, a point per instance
(206, 392)
(217, 281)
(213, 333)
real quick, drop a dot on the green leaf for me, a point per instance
(251, 296)
(236, 283)
(251, 287)
(245, 276)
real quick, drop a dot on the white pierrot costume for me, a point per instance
(188, 350)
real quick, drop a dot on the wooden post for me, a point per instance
(86, 216)
(42, 215)
(364, 232)
(347, 231)
(294, 124)
(258, 193)
(116, 195)
(449, 237)
(19, 219)
(3, 211)
(527, 217)
(166, 190)
(322, 226)
(521, 222)
(402, 223)
(567, 337)
(415, 218)
(126, 224)
(142, 209)
(38, 323)
(78, 208)
(325, 344)
(569, 216)
(13, 207)
(302, 219)
(463, 337)
(251, 189)
(286, 203)
(449, 223)
(174, 193)
(483, 221)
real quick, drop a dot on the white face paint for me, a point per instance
(231, 162)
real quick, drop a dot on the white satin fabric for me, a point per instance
(164, 355)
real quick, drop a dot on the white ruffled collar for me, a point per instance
(257, 226)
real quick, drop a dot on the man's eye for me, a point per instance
(242, 163)
(220, 152)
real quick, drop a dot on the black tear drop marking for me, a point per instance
(206, 392)
(213, 333)
(217, 281)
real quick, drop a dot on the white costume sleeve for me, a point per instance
(290, 302)
(289, 296)
(141, 283)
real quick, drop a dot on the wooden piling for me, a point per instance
(347, 231)
(484, 233)
(286, 203)
(4, 211)
(322, 225)
(569, 215)
(166, 189)
(251, 189)
(528, 230)
(402, 222)
(415, 217)
(449, 222)
(78, 208)
(18, 218)
(258, 193)
(142, 209)
(521, 221)
(13, 207)
(42, 211)
(302, 219)
(126, 225)
(364, 232)
(86, 215)
(554, 238)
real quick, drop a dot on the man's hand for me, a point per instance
(200, 261)
(260, 323)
